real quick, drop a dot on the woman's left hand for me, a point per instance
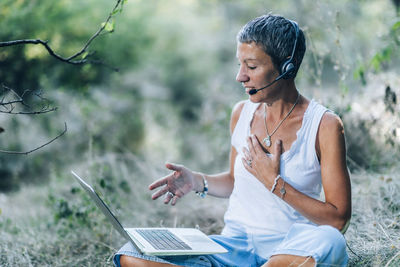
(264, 167)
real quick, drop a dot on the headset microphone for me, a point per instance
(254, 91)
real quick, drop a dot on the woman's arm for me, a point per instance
(182, 180)
(219, 185)
(330, 145)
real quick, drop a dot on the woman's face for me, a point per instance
(255, 70)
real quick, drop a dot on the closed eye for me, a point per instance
(250, 67)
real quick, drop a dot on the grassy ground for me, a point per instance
(374, 233)
(56, 224)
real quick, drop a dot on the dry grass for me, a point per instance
(38, 228)
(374, 233)
(33, 236)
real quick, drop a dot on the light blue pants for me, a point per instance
(324, 243)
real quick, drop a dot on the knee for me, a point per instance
(289, 260)
(274, 261)
(128, 261)
(332, 237)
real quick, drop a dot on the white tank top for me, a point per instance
(252, 207)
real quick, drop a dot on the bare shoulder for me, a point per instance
(237, 109)
(330, 135)
(331, 124)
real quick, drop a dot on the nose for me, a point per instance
(242, 76)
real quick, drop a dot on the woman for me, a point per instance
(285, 148)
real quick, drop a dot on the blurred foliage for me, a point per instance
(67, 25)
(177, 76)
(387, 56)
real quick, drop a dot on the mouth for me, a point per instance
(247, 89)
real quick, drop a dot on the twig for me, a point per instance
(42, 111)
(99, 30)
(9, 105)
(392, 259)
(98, 242)
(348, 246)
(388, 237)
(352, 161)
(37, 148)
(48, 48)
(71, 59)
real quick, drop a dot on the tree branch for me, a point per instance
(72, 58)
(37, 148)
(8, 106)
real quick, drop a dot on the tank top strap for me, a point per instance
(308, 133)
(242, 128)
(318, 112)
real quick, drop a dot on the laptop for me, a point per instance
(158, 241)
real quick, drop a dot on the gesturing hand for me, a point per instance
(175, 185)
(264, 167)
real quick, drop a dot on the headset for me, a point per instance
(288, 68)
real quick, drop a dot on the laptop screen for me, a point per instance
(103, 207)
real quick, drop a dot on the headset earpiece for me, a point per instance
(288, 68)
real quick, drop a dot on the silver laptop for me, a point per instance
(158, 241)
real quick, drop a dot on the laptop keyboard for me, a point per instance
(163, 239)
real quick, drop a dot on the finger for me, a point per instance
(174, 200)
(160, 182)
(251, 147)
(278, 148)
(246, 165)
(174, 167)
(168, 198)
(246, 153)
(179, 193)
(160, 192)
(256, 145)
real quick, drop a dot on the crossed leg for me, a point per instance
(284, 260)
(127, 261)
(275, 261)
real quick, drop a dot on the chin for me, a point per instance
(254, 98)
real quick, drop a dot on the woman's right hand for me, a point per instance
(175, 185)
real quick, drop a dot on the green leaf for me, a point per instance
(376, 61)
(387, 54)
(84, 55)
(102, 183)
(383, 56)
(108, 26)
(116, 11)
(396, 26)
(359, 74)
(344, 89)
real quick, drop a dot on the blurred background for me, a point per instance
(171, 100)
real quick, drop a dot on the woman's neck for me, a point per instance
(279, 108)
